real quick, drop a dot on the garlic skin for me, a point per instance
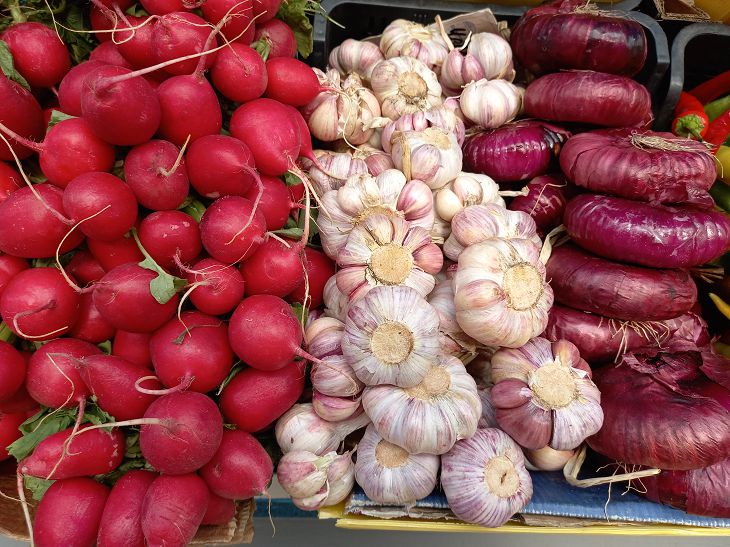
(385, 250)
(404, 85)
(489, 413)
(302, 474)
(440, 231)
(494, 55)
(336, 379)
(500, 292)
(547, 459)
(391, 337)
(457, 71)
(465, 190)
(405, 38)
(323, 337)
(544, 395)
(355, 57)
(335, 303)
(388, 474)
(478, 223)
(432, 155)
(440, 116)
(484, 478)
(431, 416)
(341, 487)
(338, 167)
(312, 503)
(491, 103)
(335, 409)
(364, 195)
(376, 160)
(452, 338)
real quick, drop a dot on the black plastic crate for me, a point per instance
(699, 52)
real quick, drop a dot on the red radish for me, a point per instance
(239, 27)
(182, 432)
(219, 165)
(265, 10)
(121, 521)
(20, 112)
(218, 288)
(254, 399)
(28, 229)
(178, 34)
(220, 510)
(173, 509)
(136, 45)
(112, 381)
(90, 326)
(224, 231)
(275, 268)
(192, 351)
(161, 7)
(169, 234)
(39, 304)
(124, 299)
(120, 107)
(305, 139)
(290, 81)
(100, 22)
(69, 90)
(20, 403)
(108, 53)
(39, 54)
(83, 267)
(111, 254)
(92, 452)
(12, 371)
(155, 176)
(10, 180)
(69, 513)
(276, 201)
(277, 37)
(9, 432)
(10, 266)
(239, 73)
(240, 469)
(319, 269)
(133, 346)
(189, 107)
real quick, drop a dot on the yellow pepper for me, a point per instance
(721, 305)
(723, 163)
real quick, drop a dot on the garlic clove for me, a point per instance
(336, 379)
(494, 55)
(432, 155)
(416, 202)
(335, 302)
(302, 474)
(547, 459)
(323, 337)
(335, 409)
(313, 503)
(340, 466)
(491, 104)
(489, 413)
(341, 487)
(338, 167)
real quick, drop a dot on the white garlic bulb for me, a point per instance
(432, 155)
(355, 57)
(335, 303)
(336, 169)
(404, 85)
(440, 116)
(388, 474)
(491, 103)
(409, 39)
(302, 474)
(494, 55)
(465, 190)
(453, 339)
(391, 336)
(431, 416)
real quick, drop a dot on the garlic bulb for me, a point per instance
(544, 395)
(338, 167)
(302, 474)
(465, 190)
(431, 416)
(312, 503)
(440, 230)
(500, 292)
(336, 378)
(547, 459)
(478, 223)
(405, 38)
(335, 303)
(452, 338)
(391, 337)
(323, 337)
(385, 250)
(376, 160)
(335, 409)
(457, 71)
(484, 478)
(489, 413)
(491, 104)
(404, 85)
(440, 116)
(355, 57)
(432, 155)
(362, 196)
(388, 474)
(494, 55)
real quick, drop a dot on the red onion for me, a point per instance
(644, 166)
(556, 36)
(664, 411)
(649, 235)
(516, 151)
(545, 201)
(589, 97)
(587, 282)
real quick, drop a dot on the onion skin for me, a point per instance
(589, 283)
(606, 162)
(649, 235)
(545, 202)
(589, 97)
(552, 37)
(516, 151)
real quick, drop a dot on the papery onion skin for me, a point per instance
(553, 37)
(647, 235)
(516, 151)
(589, 98)
(587, 282)
(608, 162)
(545, 202)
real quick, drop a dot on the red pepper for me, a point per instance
(691, 119)
(714, 88)
(687, 101)
(719, 130)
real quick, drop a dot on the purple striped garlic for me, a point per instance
(334, 377)
(439, 116)
(431, 416)
(355, 57)
(432, 155)
(335, 409)
(302, 474)
(544, 395)
(404, 85)
(457, 71)
(406, 38)
(494, 55)
(335, 303)
(362, 196)
(323, 337)
(385, 250)
(452, 338)
(338, 167)
(500, 292)
(376, 160)
(489, 413)
(340, 479)
(391, 336)
(465, 190)
(491, 103)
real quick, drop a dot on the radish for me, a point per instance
(275, 268)
(39, 55)
(239, 73)
(192, 351)
(290, 81)
(100, 22)
(173, 509)
(124, 299)
(265, 10)
(157, 175)
(319, 269)
(111, 254)
(217, 288)
(69, 90)
(137, 45)
(20, 403)
(239, 27)
(178, 34)
(10, 180)
(83, 267)
(276, 201)
(108, 53)
(133, 347)
(231, 229)
(305, 139)
(220, 511)
(10, 266)
(274, 38)
(38, 304)
(12, 371)
(219, 165)
(254, 399)
(20, 112)
(90, 325)
(121, 521)
(161, 7)
(9, 432)
(166, 235)
(240, 469)
(190, 108)
(29, 230)
(69, 513)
